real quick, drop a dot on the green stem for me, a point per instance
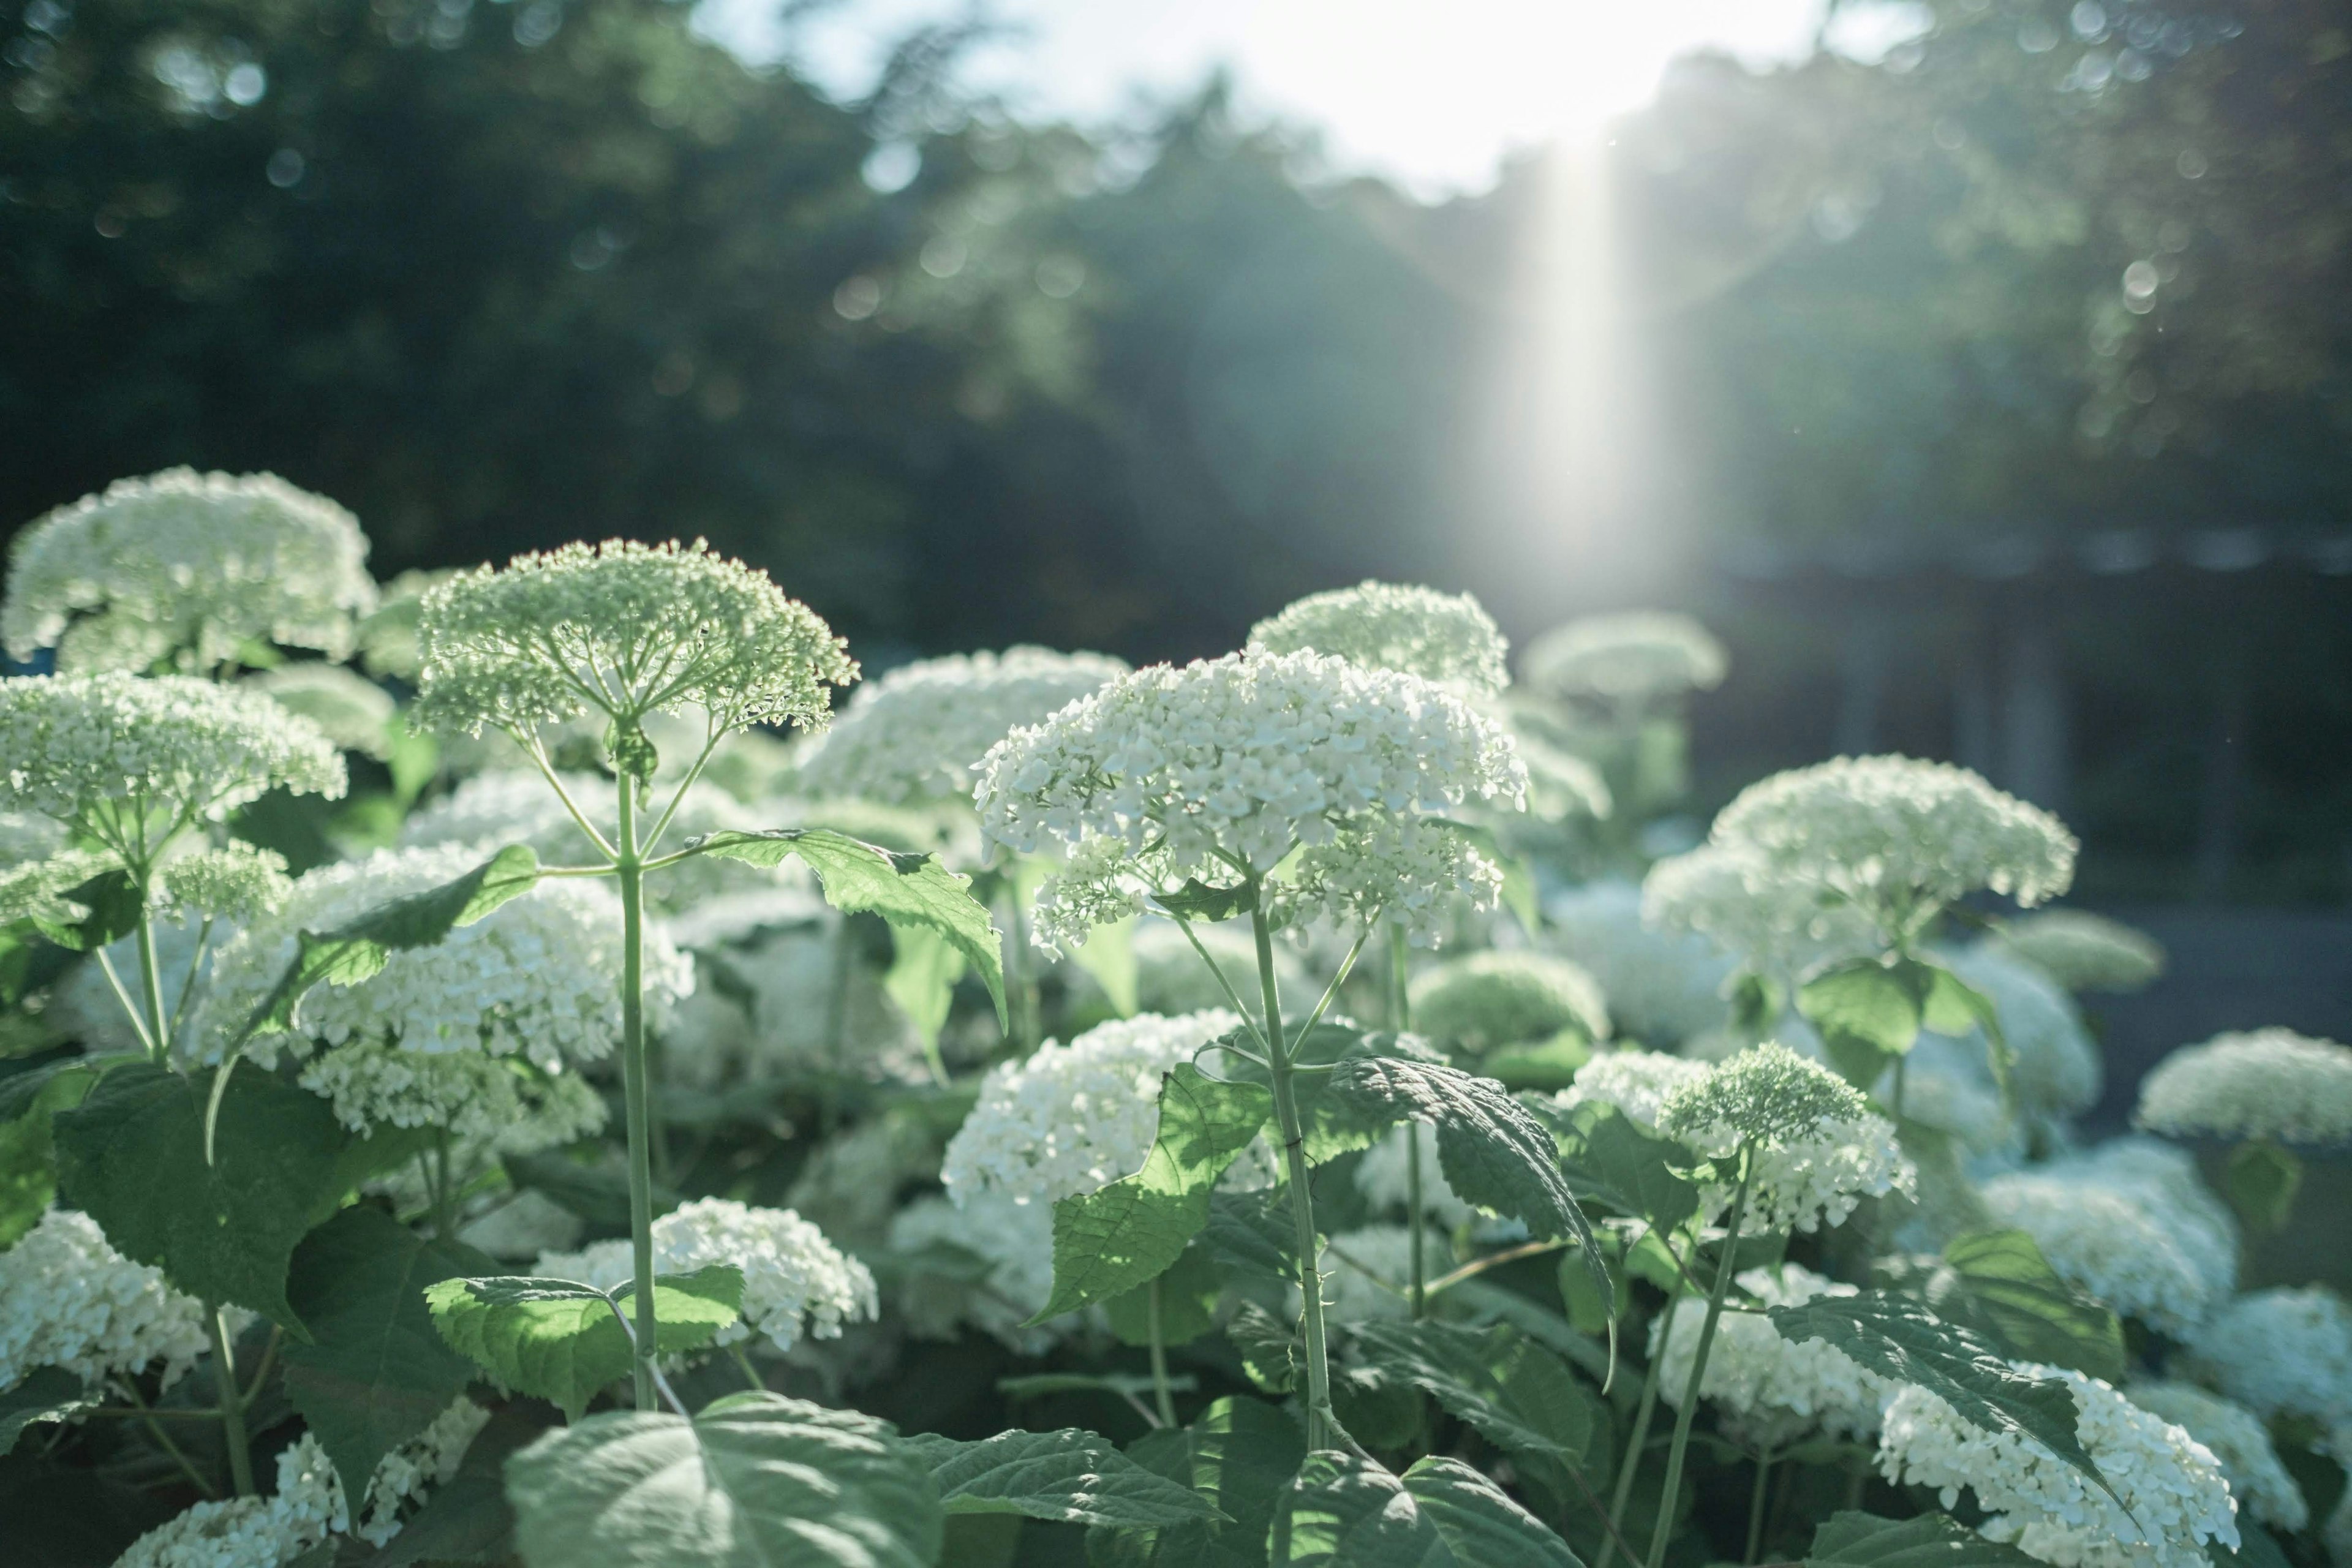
(151, 984)
(1636, 1442)
(1416, 1220)
(1689, 1410)
(751, 1372)
(1321, 1424)
(634, 1084)
(1020, 980)
(1160, 1394)
(231, 1407)
(1756, 1503)
(1900, 1063)
(444, 1206)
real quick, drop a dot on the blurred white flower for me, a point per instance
(1661, 986)
(2281, 1352)
(2267, 1083)
(2241, 1444)
(1367, 1273)
(1637, 1082)
(2082, 951)
(1383, 1179)
(1774, 1390)
(1632, 656)
(350, 709)
(69, 1300)
(1507, 996)
(1732, 896)
(1445, 637)
(2122, 1236)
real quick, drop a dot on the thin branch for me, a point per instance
(538, 754)
(124, 997)
(692, 773)
(1333, 989)
(1257, 1033)
(1478, 1266)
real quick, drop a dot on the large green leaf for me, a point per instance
(375, 1372)
(1520, 1396)
(1254, 1234)
(1109, 1241)
(1869, 1011)
(131, 1155)
(924, 969)
(1238, 1456)
(1929, 1541)
(904, 889)
(756, 1480)
(1347, 1512)
(1269, 1347)
(1615, 1162)
(111, 906)
(1494, 1153)
(1069, 1476)
(563, 1341)
(1188, 1292)
(47, 1394)
(1998, 1281)
(359, 950)
(1898, 1337)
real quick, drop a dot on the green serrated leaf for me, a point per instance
(1188, 1292)
(1196, 900)
(1929, 1541)
(861, 877)
(1898, 1337)
(1239, 1456)
(1347, 1512)
(1070, 1477)
(1515, 1394)
(2261, 1181)
(563, 1341)
(754, 1481)
(358, 950)
(47, 1394)
(1114, 1239)
(1268, 1348)
(1617, 1163)
(1254, 1234)
(131, 1155)
(1998, 1280)
(924, 969)
(1492, 1152)
(375, 1374)
(1869, 1012)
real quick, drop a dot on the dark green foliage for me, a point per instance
(1069, 1476)
(563, 1342)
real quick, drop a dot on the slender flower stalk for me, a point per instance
(1416, 1218)
(1636, 1442)
(1679, 1450)
(232, 1406)
(1320, 1423)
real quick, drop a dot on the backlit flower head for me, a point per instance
(188, 568)
(1501, 997)
(2240, 1444)
(502, 1105)
(350, 709)
(68, 1299)
(1662, 986)
(1637, 1082)
(1445, 637)
(2113, 1231)
(1072, 1118)
(235, 882)
(1171, 774)
(921, 730)
(1773, 1390)
(2084, 951)
(1631, 657)
(129, 761)
(1731, 895)
(1898, 838)
(796, 1284)
(623, 630)
(1817, 1147)
(2281, 1352)
(2266, 1083)
(2174, 1497)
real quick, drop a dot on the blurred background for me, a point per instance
(1975, 369)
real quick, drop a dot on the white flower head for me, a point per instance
(1731, 895)
(69, 1300)
(1816, 1149)
(2263, 1084)
(1171, 774)
(506, 1104)
(623, 630)
(2241, 1444)
(1634, 656)
(2084, 951)
(1072, 1118)
(1898, 838)
(1445, 637)
(1662, 986)
(350, 709)
(1012, 1244)
(1507, 996)
(186, 567)
(235, 882)
(2125, 1234)
(2174, 1498)
(919, 733)
(796, 1284)
(539, 977)
(131, 761)
(1774, 1390)
(2282, 1352)
(1637, 1082)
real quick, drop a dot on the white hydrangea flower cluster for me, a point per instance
(522, 646)
(108, 752)
(1015, 1243)
(2174, 1498)
(186, 565)
(488, 1103)
(1662, 986)
(2056, 1068)
(235, 882)
(1171, 774)
(37, 889)
(1774, 1390)
(1817, 1147)
(309, 1505)
(796, 1283)
(2265, 1083)
(1732, 896)
(2282, 1352)
(1633, 657)
(1637, 1082)
(1367, 1273)
(2241, 1444)
(1897, 837)
(1445, 637)
(68, 1299)
(1072, 1118)
(540, 976)
(1384, 1180)
(349, 709)
(2123, 1238)
(2084, 951)
(1503, 996)
(919, 733)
